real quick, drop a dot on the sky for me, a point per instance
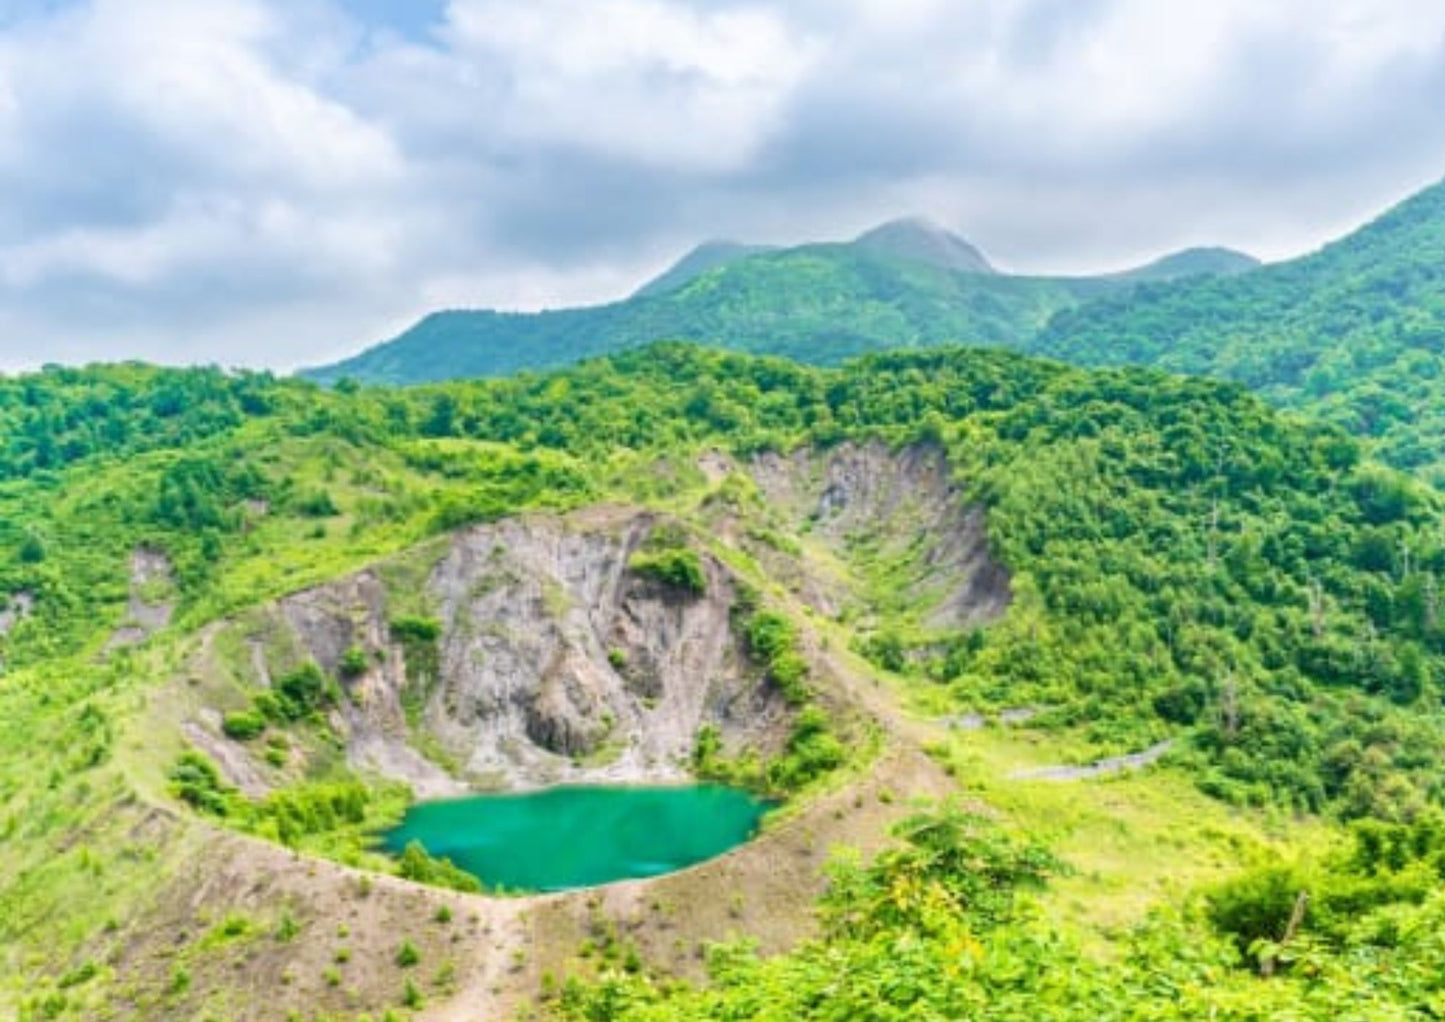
(284, 182)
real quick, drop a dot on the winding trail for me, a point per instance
(1099, 768)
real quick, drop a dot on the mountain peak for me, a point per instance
(921, 240)
(1193, 262)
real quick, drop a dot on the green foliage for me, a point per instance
(317, 504)
(415, 864)
(415, 630)
(59, 417)
(812, 752)
(773, 641)
(297, 695)
(354, 663)
(292, 814)
(407, 955)
(243, 725)
(1351, 332)
(196, 780)
(953, 866)
(681, 569)
(1384, 867)
(818, 304)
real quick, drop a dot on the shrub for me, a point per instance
(418, 866)
(354, 663)
(317, 504)
(680, 569)
(298, 695)
(407, 955)
(196, 780)
(772, 640)
(243, 725)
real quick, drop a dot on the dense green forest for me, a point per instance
(1186, 563)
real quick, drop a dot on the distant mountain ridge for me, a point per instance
(906, 283)
(1354, 331)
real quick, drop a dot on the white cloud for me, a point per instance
(278, 182)
(631, 80)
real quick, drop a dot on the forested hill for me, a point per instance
(1184, 563)
(1166, 533)
(1355, 331)
(906, 284)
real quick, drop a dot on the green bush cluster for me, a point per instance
(416, 864)
(196, 780)
(773, 641)
(681, 569)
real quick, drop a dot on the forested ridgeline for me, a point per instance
(1186, 562)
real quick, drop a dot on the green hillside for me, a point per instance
(707, 256)
(819, 304)
(906, 284)
(1177, 561)
(1354, 332)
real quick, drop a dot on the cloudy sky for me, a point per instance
(281, 182)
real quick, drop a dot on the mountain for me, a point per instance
(1193, 262)
(707, 256)
(902, 285)
(248, 624)
(816, 303)
(920, 241)
(1354, 332)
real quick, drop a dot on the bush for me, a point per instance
(680, 569)
(813, 750)
(298, 695)
(354, 663)
(420, 867)
(772, 640)
(415, 629)
(243, 725)
(196, 780)
(317, 504)
(407, 955)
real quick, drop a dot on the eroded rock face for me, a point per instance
(890, 500)
(14, 609)
(555, 662)
(556, 654)
(151, 603)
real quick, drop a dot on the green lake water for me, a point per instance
(561, 838)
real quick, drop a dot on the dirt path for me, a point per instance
(1099, 768)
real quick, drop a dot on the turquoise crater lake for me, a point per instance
(561, 838)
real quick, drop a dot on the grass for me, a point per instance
(1133, 841)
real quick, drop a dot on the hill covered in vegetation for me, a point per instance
(1350, 333)
(1353, 332)
(213, 584)
(906, 284)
